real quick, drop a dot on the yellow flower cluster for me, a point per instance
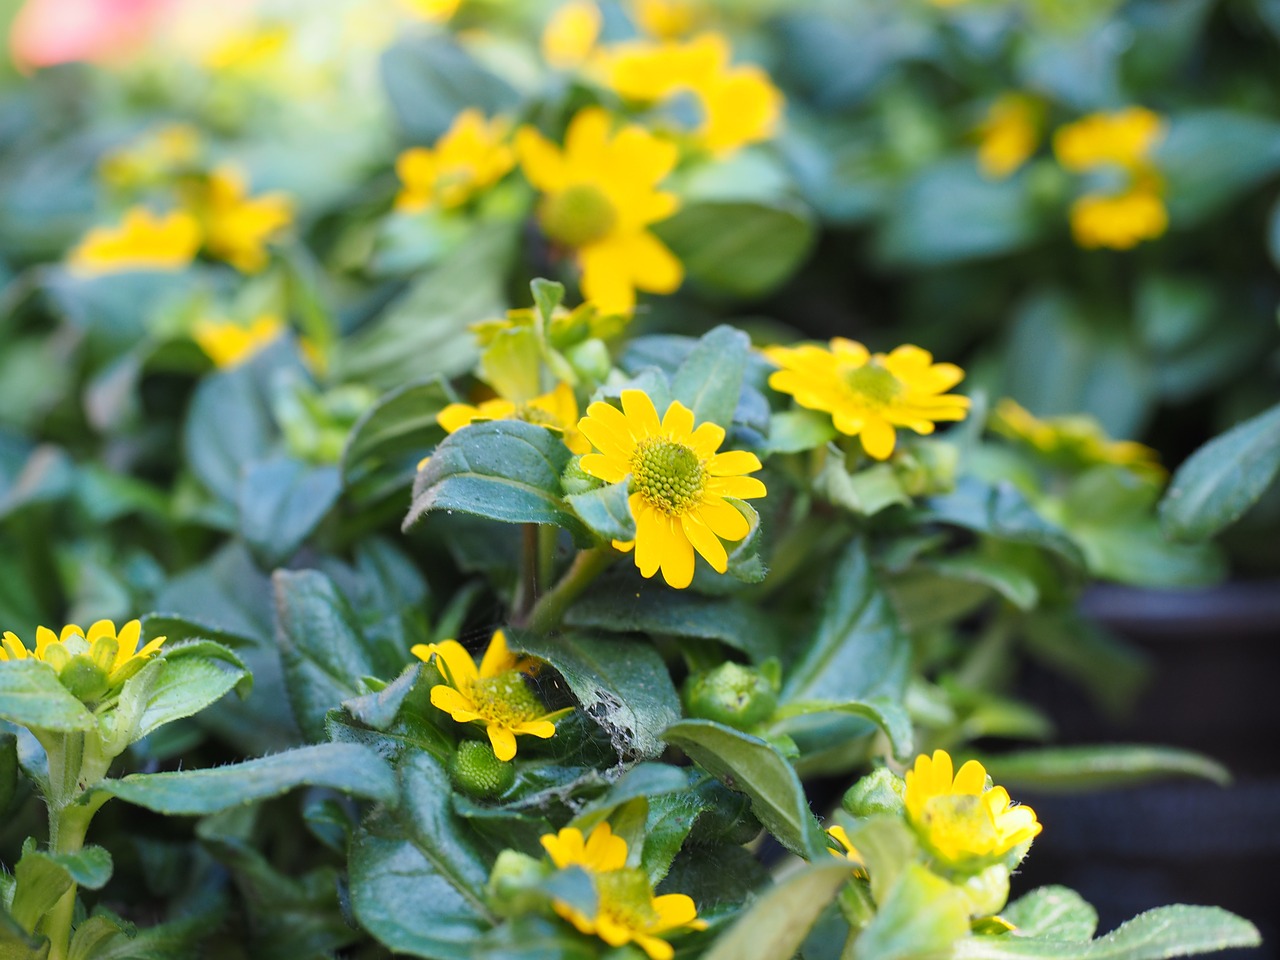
(472, 155)
(1074, 441)
(1009, 135)
(556, 410)
(114, 654)
(626, 909)
(1121, 141)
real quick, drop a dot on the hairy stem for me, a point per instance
(587, 565)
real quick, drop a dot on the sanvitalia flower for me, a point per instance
(96, 661)
(960, 819)
(599, 198)
(1074, 441)
(470, 156)
(228, 343)
(1118, 221)
(142, 241)
(602, 850)
(1122, 139)
(678, 483)
(237, 226)
(1009, 135)
(647, 72)
(571, 34)
(869, 395)
(740, 107)
(557, 410)
(666, 19)
(494, 695)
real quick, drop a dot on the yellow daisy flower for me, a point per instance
(599, 198)
(494, 695)
(237, 226)
(1118, 221)
(600, 852)
(869, 395)
(557, 410)
(1076, 441)
(106, 656)
(740, 107)
(471, 155)
(959, 818)
(678, 483)
(571, 34)
(1009, 135)
(646, 72)
(1123, 139)
(142, 241)
(228, 343)
(666, 19)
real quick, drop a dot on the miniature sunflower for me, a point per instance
(494, 695)
(740, 107)
(571, 34)
(1009, 135)
(961, 819)
(93, 663)
(237, 226)
(142, 241)
(599, 198)
(1118, 221)
(678, 483)
(471, 155)
(227, 343)
(869, 395)
(599, 852)
(647, 71)
(1075, 441)
(557, 410)
(1121, 139)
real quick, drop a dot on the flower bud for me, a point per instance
(879, 792)
(84, 679)
(478, 773)
(927, 468)
(515, 884)
(731, 694)
(590, 360)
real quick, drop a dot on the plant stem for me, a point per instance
(587, 565)
(527, 589)
(68, 824)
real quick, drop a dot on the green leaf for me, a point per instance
(998, 511)
(32, 697)
(1223, 479)
(887, 846)
(865, 492)
(623, 685)
(418, 874)
(756, 768)
(17, 944)
(547, 295)
(43, 877)
(402, 424)
(8, 769)
(709, 380)
(185, 686)
(794, 431)
(1176, 931)
(922, 916)
(282, 501)
(777, 923)
(1072, 769)
(606, 511)
(504, 470)
(429, 80)
(887, 714)
(94, 937)
(345, 767)
(1006, 577)
(1210, 157)
(1053, 913)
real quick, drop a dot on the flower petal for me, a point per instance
(460, 668)
(677, 424)
(705, 542)
(641, 412)
(742, 488)
(724, 519)
(503, 742)
(458, 705)
(878, 438)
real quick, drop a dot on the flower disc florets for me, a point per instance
(577, 216)
(668, 475)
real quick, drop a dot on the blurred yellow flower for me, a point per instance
(1123, 139)
(237, 226)
(740, 107)
(470, 156)
(435, 11)
(1118, 221)
(571, 34)
(1009, 135)
(667, 19)
(228, 343)
(1074, 441)
(557, 410)
(678, 483)
(847, 850)
(599, 198)
(248, 50)
(101, 659)
(600, 852)
(142, 241)
(161, 152)
(960, 819)
(869, 395)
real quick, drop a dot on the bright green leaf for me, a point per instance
(709, 380)
(31, 696)
(776, 924)
(1071, 769)
(606, 511)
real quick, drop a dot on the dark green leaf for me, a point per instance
(281, 502)
(776, 924)
(184, 686)
(1001, 512)
(402, 423)
(1007, 578)
(887, 714)
(31, 696)
(794, 431)
(1071, 769)
(430, 80)
(43, 877)
(533, 938)
(709, 380)
(8, 769)
(606, 512)
(1210, 157)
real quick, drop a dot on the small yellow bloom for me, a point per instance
(113, 655)
(495, 695)
(471, 155)
(1118, 221)
(600, 852)
(678, 483)
(1122, 139)
(868, 395)
(571, 34)
(237, 226)
(557, 410)
(143, 241)
(1009, 135)
(1075, 441)
(228, 343)
(740, 107)
(667, 19)
(847, 850)
(599, 198)
(646, 72)
(433, 11)
(960, 819)
(248, 50)
(158, 154)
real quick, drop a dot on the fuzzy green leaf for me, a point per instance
(709, 380)
(1053, 913)
(1071, 769)
(401, 424)
(32, 697)
(776, 924)
(606, 511)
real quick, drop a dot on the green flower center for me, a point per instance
(873, 384)
(578, 216)
(531, 414)
(626, 896)
(506, 699)
(668, 475)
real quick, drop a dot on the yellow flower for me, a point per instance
(600, 852)
(666, 19)
(228, 343)
(740, 106)
(571, 34)
(868, 395)
(143, 241)
(111, 656)
(1009, 135)
(960, 819)
(1123, 139)
(599, 198)
(238, 227)
(557, 410)
(161, 152)
(847, 850)
(678, 483)
(647, 72)
(470, 156)
(247, 50)
(1118, 221)
(1075, 441)
(434, 11)
(495, 695)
